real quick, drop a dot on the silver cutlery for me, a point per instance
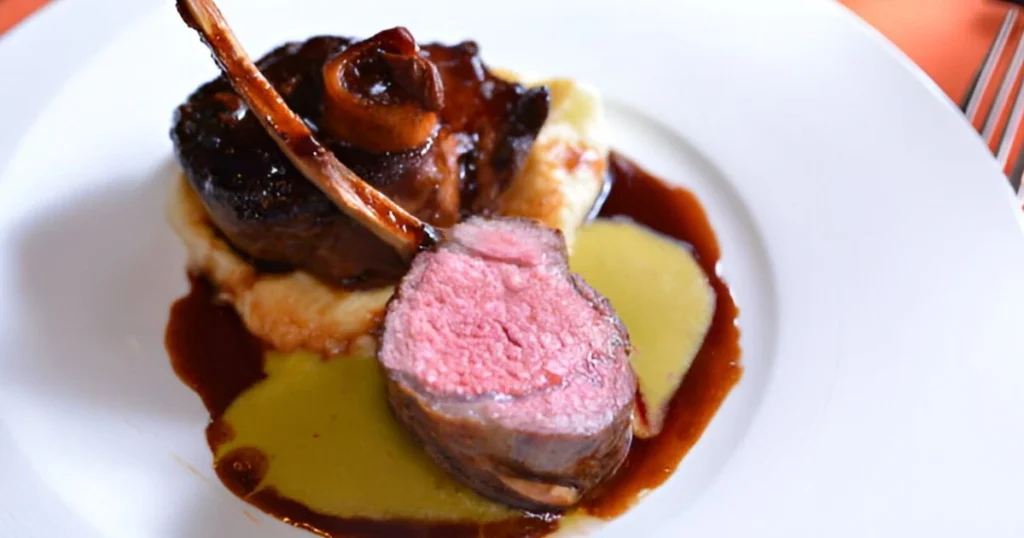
(1010, 81)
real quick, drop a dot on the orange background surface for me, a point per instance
(12, 11)
(947, 38)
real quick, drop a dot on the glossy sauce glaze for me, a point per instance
(675, 212)
(214, 355)
(269, 210)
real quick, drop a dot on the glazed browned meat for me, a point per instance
(512, 371)
(478, 131)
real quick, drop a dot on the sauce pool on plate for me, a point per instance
(288, 431)
(674, 212)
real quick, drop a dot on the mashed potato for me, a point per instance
(557, 186)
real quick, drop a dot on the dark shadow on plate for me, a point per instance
(97, 276)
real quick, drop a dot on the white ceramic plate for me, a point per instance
(874, 249)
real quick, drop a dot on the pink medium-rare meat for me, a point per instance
(511, 370)
(463, 336)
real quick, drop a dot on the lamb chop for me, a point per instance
(512, 371)
(429, 126)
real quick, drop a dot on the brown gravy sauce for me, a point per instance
(214, 354)
(675, 212)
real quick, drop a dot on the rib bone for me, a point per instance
(382, 216)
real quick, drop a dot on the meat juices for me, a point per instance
(513, 372)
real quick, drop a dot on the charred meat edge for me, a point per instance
(368, 206)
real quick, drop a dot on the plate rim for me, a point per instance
(55, 11)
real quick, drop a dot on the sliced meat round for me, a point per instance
(512, 371)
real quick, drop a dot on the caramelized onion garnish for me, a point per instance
(381, 95)
(368, 206)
